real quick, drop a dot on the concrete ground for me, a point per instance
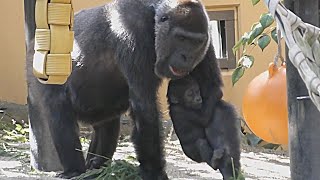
(256, 166)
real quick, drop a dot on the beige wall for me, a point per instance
(247, 15)
(12, 52)
(12, 49)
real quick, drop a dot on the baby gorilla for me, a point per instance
(205, 136)
(189, 121)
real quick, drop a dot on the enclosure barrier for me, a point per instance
(53, 41)
(302, 40)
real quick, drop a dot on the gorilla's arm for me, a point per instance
(133, 48)
(208, 75)
(147, 131)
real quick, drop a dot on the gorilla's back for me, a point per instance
(96, 85)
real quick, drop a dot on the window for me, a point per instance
(222, 28)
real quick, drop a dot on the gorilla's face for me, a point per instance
(181, 37)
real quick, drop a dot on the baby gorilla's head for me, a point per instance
(185, 92)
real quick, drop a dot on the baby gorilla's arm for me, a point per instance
(209, 105)
(192, 115)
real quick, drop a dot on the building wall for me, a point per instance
(12, 52)
(247, 15)
(12, 49)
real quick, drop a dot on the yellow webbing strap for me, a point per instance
(53, 41)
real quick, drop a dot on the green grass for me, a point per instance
(113, 170)
(11, 136)
(234, 171)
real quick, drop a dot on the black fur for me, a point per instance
(189, 123)
(122, 50)
(210, 134)
(223, 134)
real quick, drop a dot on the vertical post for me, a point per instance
(43, 153)
(304, 122)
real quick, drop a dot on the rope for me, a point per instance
(53, 41)
(279, 53)
(302, 40)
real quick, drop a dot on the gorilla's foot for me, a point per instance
(226, 169)
(153, 175)
(69, 174)
(227, 173)
(95, 162)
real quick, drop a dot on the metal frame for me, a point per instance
(228, 17)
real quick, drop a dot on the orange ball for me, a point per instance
(265, 105)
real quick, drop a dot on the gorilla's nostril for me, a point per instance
(184, 57)
(199, 100)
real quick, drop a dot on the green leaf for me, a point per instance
(274, 35)
(254, 2)
(257, 30)
(236, 47)
(266, 20)
(245, 38)
(237, 74)
(264, 41)
(254, 25)
(246, 61)
(18, 127)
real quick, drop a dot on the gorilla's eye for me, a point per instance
(164, 18)
(189, 93)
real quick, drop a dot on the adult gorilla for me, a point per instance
(123, 50)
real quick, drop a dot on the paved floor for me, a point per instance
(256, 166)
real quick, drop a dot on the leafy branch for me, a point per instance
(260, 35)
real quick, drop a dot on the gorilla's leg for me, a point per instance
(226, 168)
(192, 151)
(216, 137)
(206, 152)
(103, 143)
(50, 109)
(43, 155)
(229, 162)
(199, 152)
(217, 157)
(146, 137)
(226, 118)
(65, 133)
